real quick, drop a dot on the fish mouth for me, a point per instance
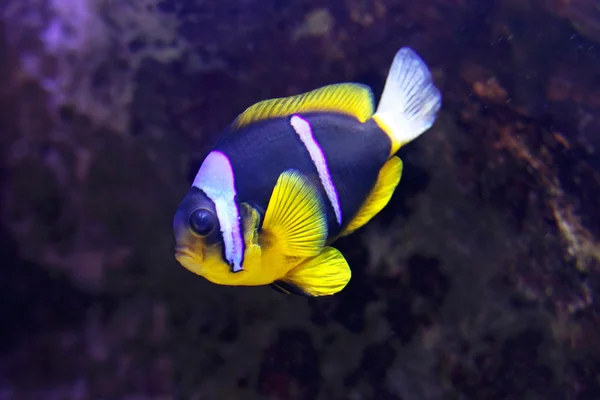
(184, 253)
(181, 251)
(189, 260)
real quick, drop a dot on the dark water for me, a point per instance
(477, 281)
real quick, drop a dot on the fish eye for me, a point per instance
(202, 222)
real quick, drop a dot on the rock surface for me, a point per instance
(478, 281)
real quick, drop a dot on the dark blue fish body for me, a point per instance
(355, 153)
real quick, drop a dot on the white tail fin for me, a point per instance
(410, 101)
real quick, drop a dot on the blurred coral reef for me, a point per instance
(478, 281)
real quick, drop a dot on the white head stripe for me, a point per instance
(304, 131)
(215, 178)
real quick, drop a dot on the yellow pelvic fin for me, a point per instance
(323, 275)
(380, 195)
(353, 99)
(295, 223)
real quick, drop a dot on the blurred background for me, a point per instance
(478, 281)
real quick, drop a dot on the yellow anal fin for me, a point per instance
(295, 223)
(323, 275)
(353, 99)
(380, 195)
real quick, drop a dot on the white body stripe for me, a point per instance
(215, 178)
(304, 131)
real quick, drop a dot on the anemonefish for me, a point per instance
(291, 175)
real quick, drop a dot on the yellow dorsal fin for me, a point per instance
(323, 275)
(380, 195)
(353, 99)
(295, 223)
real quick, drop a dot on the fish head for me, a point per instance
(198, 239)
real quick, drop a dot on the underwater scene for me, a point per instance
(300, 199)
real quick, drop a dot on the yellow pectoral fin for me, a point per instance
(252, 273)
(347, 98)
(323, 275)
(251, 220)
(295, 223)
(380, 195)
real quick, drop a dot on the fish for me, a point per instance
(289, 176)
